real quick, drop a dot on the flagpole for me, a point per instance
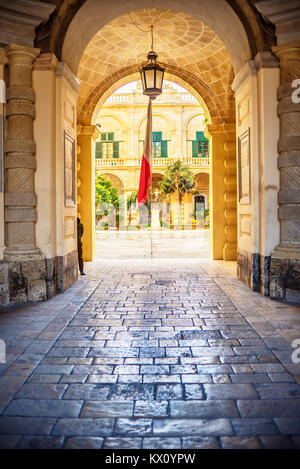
(151, 198)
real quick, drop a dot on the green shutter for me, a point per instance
(164, 148)
(200, 136)
(116, 150)
(195, 148)
(98, 150)
(103, 136)
(156, 136)
(110, 136)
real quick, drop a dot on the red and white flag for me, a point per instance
(146, 167)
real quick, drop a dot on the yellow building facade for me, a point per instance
(178, 125)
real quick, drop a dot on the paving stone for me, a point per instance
(267, 368)
(41, 442)
(43, 408)
(200, 427)
(122, 443)
(277, 442)
(41, 391)
(203, 409)
(288, 425)
(250, 378)
(26, 425)
(54, 369)
(133, 427)
(239, 359)
(96, 409)
(84, 427)
(169, 391)
(282, 378)
(151, 409)
(115, 352)
(73, 379)
(183, 369)
(130, 378)
(139, 361)
(193, 391)
(269, 408)
(84, 443)
(68, 352)
(9, 441)
(257, 426)
(178, 352)
(210, 331)
(95, 392)
(278, 391)
(193, 379)
(242, 368)
(211, 369)
(237, 442)
(161, 443)
(93, 369)
(134, 391)
(200, 443)
(277, 343)
(155, 369)
(161, 379)
(230, 391)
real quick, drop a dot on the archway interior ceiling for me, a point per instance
(181, 41)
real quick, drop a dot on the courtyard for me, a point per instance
(151, 353)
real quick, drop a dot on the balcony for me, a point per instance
(130, 163)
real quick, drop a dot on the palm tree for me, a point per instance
(179, 180)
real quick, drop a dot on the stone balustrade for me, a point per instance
(156, 162)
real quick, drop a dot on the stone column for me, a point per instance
(20, 163)
(230, 195)
(86, 134)
(217, 189)
(285, 260)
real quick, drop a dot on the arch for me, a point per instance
(114, 179)
(217, 14)
(117, 118)
(189, 118)
(211, 104)
(156, 114)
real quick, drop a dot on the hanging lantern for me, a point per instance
(152, 74)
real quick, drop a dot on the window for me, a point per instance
(160, 146)
(200, 146)
(108, 147)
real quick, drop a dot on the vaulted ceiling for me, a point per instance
(180, 41)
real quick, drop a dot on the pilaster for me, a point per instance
(86, 136)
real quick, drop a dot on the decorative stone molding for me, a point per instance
(46, 62)
(247, 71)
(20, 18)
(266, 59)
(285, 15)
(63, 71)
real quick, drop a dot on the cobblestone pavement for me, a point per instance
(151, 354)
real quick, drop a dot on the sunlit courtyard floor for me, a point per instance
(151, 353)
(141, 244)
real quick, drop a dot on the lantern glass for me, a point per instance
(149, 76)
(159, 79)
